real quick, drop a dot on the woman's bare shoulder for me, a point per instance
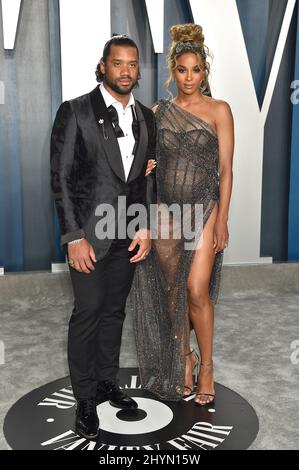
(221, 105)
(222, 109)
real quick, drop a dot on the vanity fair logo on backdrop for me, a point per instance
(44, 420)
(224, 35)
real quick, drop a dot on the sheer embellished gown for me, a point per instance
(187, 178)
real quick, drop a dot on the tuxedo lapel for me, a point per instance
(106, 133)
(139, 158)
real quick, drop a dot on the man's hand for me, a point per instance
(143, 239)
(81, 256)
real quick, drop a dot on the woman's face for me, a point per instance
(189, 73)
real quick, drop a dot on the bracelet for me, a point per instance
(75, 241)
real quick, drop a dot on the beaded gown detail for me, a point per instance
(187, 175)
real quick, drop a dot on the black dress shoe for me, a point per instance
(117, 398)
(87, 421)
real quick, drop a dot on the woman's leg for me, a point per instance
(201, 309)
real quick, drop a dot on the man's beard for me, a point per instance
(115, 87)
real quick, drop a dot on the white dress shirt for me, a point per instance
(125, 120)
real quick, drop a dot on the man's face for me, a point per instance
(121, 69)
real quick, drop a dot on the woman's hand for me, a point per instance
(151, 164)
(221, 235)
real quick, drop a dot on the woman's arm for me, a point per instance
(225, 132)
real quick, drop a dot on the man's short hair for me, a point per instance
(117, 40)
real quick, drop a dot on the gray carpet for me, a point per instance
(256, 322)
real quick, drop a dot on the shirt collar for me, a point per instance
(110, 100)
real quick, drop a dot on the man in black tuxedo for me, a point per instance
(100, 146)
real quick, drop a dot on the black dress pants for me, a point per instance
(95, 327)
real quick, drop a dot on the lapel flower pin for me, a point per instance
(101, 121)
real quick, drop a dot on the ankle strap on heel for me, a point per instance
(193, 352)
(206, 364)
(190, 352)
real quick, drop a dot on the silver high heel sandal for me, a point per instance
(196, 368)
(204, 394)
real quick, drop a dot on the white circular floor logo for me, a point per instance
(155, 416)
(44, 420)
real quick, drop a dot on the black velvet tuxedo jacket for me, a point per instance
(87, 168)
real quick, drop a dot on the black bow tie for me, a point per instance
(114, 121)
(113, 115)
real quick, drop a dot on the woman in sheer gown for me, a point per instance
(176, 288)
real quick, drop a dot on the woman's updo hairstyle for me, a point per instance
(188, 38)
